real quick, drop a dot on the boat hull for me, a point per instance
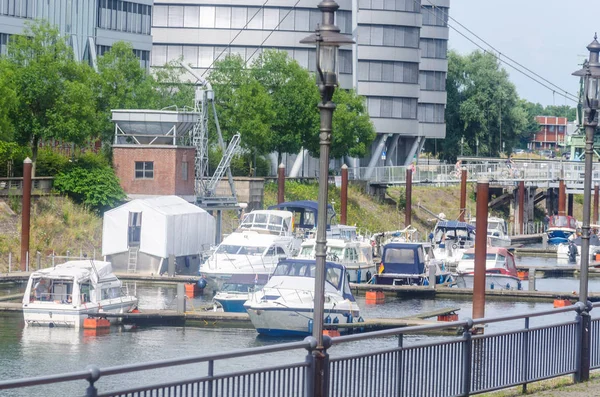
(291, 321)
(492, 281)
(559, 236)
(411, 279)
(364, 272)
(64, 315)
(232, 305)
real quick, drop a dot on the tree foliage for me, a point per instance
(54, 93)
(273, 104)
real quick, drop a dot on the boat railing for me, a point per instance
(514, 350)
(53, 297)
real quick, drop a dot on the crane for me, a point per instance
(205, 186)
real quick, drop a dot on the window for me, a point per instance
(431, 113)
(393, 72)
(434, 48)
(3, 43)
(432, 81)
(144, 170)
(435, 16)
(398, 108)
(135, 18)
(391, 36)
(184, 170)
(391, 5)
(551, 128)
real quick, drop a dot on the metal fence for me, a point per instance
(14, 186)
(469, 363)
(10, 262)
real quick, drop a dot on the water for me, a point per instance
(34, 351)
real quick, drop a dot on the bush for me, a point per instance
(97, 188)
(50, 163)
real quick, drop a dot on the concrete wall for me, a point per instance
(248, 190)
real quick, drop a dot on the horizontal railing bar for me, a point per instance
(43, 380)
(209, 378)
(523, 330)
(576, 307)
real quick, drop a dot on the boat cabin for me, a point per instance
(244, 283)
(457, 233)
(246, 243)
(275, 222)
(562, 222)
(405, 264)
(335, 274)
(306, 213)
(498, 260)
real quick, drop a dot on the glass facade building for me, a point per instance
(399, 62)
(92, 26)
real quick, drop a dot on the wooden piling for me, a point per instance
(570, 204)
(562, 210)
(280, 183)
(480, 249)
(463, 194)
(596, 192)
(521, 206)
(408, 209)
(344, 195)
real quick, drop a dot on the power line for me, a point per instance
(572, 97)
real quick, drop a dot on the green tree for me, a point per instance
(243, 104)
(483, 107)
(294, 98)
(8, 99)
(171, 90)
(122, 84)
(55, 96)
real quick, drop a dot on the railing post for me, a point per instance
(211, 374)
(584, 341)
(321, 369)
(399, 383)
(467, 357)
(309, 380)
(525, 373)
(91, 390)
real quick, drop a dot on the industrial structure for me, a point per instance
(399, 62)
(92, 26)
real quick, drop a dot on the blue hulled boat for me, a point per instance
(560, 228)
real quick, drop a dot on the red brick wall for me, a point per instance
(167, 169)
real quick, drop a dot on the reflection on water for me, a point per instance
(35, 351)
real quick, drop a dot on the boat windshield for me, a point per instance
(240, 250)
(265, 221)
(242, 287)
(471, 256)
(563, 221)
(45, 289)
(297, 269)
(307, 251)
(403, 255)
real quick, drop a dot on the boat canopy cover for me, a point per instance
(166, 225)
(562, 221)
(78, 270)
(308, 210)
(455, 225)
(594, 240)
(260, 279)
(403, 258)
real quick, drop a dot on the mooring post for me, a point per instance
(344, 195)
(531, 279)
(171, 266)
(38, 260)
(480, 249)
(521, 206)
(562, 198)
(280, 183)
(596, 191)
(180, 297)
(25, 212)
(570, 204)
(432, 279)
(463, 194)
(408, 209)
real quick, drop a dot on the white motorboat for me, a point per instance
(562, 250)
(497, 231)
(284, 307)
(263, 238)
(500, 270)
(65, 294)
(450, 239)
(348, 249)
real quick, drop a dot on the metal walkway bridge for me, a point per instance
(539, 173)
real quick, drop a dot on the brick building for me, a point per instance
(551, 134)
(149, 155)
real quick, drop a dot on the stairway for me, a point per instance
(133, 257)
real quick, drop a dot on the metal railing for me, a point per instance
(14, 186)
(542, 174)
(469, 363)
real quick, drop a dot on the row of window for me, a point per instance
(17, 8)
(435, 16)
(552, 128)
(391, 5)
(399, 108)
(205, 56)
(432, 81)
(434, 48)
(392, 36)
(145, 170)
(143, 56)
(212, 17)
(393, 72)
(431, 113)
(124, 16)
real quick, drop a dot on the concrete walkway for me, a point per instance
(588, 389)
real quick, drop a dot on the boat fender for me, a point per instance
(425, 281)
(348, 276)
(358, 275)
(328, 319)
(507, 285)
(202, 283)
(336, 320)
(310, 326)
(361, 320)
(349, 318)
(368, 276)
(519, 286)
(492, 286)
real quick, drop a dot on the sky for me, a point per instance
(547, 36)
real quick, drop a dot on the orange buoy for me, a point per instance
(94, 323)
(136, 310)
(332, 333)
(191, 290)
(448, 317)
(522, 274)
(375, 297)
(562, 303)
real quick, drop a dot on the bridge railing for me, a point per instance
(14, 186)
(470, 363)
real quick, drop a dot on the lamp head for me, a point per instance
(591, 75)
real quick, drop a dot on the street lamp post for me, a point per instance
(591, 74)
(328, 39)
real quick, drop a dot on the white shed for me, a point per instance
(141, 235)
